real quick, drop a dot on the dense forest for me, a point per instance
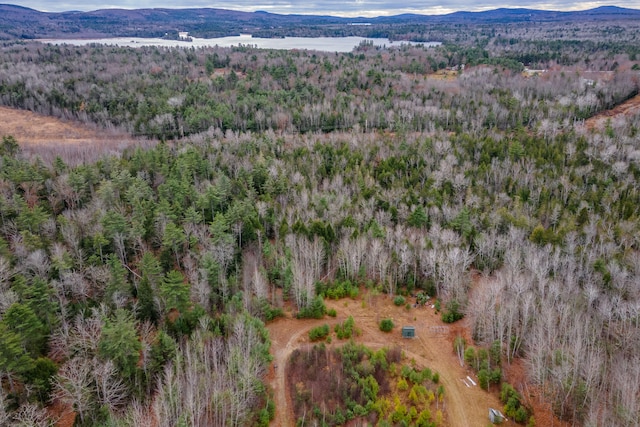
(136, 288)
(17, 22)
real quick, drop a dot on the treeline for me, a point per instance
(171, 93)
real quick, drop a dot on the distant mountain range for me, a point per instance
(17, 22)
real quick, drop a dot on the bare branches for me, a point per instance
(73, 385)
(212, 383)
(111, 391)
(307, 265)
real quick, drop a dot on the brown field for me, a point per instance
(432, 348)
(48, 137)
(627, 108)
(444, 75)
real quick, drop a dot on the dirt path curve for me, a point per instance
(465, 405)
(281, 348)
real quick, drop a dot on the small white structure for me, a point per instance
(183, 35)
(495, 416)
(531, 73)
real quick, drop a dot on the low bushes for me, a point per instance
(319, 333)
(386, 325)
(345, 329)
(399, 300)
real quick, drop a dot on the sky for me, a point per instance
(347, 8)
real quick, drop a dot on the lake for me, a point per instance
(326, 44)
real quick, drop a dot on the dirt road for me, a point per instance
(466, 405)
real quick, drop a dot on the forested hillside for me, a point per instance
(17, 22)
(135, 289)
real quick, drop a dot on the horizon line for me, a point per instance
(435, 11)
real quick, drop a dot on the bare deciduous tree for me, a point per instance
(307, 265)
(73, 385)
(212, 383)
(30, 415)
(111, 392)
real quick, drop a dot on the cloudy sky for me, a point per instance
(330, 7)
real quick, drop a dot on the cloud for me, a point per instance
(331, 7)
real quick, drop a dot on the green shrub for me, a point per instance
(265, 310)
(271, 409)
(495, 352)
(405, 371)
(424, 419)
(359, 410)
(345, 329)
(353, 292)
(266, 415)
(337, 290)
(453, 313)
(507, 392)
(483, 379)
(386, 325)
(399, 300)
(315, 310)
(422, 298)
(319, 333)
(426, 374)
(513, 407)
(470, 356)
(272, 313)
(400, 414)
(495, 376)
(521, 415)
(332, 312)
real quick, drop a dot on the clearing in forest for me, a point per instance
(465, 404)
(48, 137)
(627, 108)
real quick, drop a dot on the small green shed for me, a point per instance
(408, 332)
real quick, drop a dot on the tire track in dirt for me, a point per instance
(281, 353)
